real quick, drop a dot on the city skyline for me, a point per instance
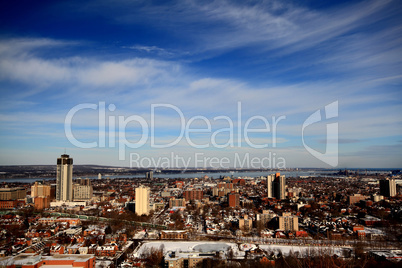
(278, 62)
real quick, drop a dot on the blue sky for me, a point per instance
(206, 58)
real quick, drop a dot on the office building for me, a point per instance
(8, 204)
(82, 192)
(193, 194)
(82, 181)
(234, 200)
(223, 191)
(149, 175)
(388, 187)
(356, 198)
(40, 190)
(245, 223)
(226, 185)
(378, 198)
(142, 200)
(64, 178)
(42, 202)
(265, 217)
(41, 195)
(278, 186)
(288, 222)
(270, 180)
(12, 193)
(173, 202)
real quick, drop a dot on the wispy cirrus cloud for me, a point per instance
(18, 62)
(343, 40)
(144, 82)
(155, 50)
(227, 25)
(340, 141)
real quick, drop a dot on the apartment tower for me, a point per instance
(142, 200)
(270, 180)
(64, 178)
(388, 187)
(276, 185)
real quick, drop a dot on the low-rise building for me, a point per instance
(356, 198)
(173, 202)
(57, 260)
(168, 234)
(186, 259)
(12, 193)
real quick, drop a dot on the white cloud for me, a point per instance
(222, 25)
(33, 70)
(134, 84)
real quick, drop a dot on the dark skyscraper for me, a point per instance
(388, 187)
(278, 186)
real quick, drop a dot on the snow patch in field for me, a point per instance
(303, 249)
(196, 246)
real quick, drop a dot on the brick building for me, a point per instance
(173, 202)
(193, 194)
(234, 200)
(8, 204)
(57, 260)
(42, 202)
(174, 234)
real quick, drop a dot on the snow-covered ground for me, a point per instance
(247, 247)
(303, 249)
(103, 263)
(206, 246)
(203, 246)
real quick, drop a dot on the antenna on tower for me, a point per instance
(64, 150)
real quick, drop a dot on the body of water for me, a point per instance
(215, 175)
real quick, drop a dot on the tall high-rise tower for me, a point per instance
(149, 175)
(388, 187)
(276, 185)
(64, 178)
(270, 180)
(142, 200)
